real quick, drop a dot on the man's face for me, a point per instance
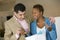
(20, 15)
(35, 13)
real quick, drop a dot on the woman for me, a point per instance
(50, 28)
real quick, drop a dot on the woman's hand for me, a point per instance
(52, 20)
(48, 27)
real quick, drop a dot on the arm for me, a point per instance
(8, 33)
(52, 23)
(53, 32)
(49, 28)
(32, 25)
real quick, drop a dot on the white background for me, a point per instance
(57, 22)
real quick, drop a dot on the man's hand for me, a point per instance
(20, 31)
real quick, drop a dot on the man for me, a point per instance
(37, 12)
(17, 27)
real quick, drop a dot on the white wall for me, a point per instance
(52, 7)
(57, 19)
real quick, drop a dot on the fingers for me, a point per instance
(20, 31)
(52, 19)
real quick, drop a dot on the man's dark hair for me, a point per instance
(19, 7)
(39, 7)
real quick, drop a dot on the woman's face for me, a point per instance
(36, 13)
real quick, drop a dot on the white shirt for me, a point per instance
(42, 33)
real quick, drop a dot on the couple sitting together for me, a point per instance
(17, 27)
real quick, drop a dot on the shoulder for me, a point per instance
(33, 22)
(9, 21)
(47, 19)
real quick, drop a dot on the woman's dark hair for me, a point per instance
(19, 7)
(39, 7)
